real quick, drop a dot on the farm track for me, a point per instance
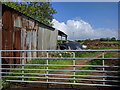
(109, 62)
(79, 62)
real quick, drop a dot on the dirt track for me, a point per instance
(80, 62)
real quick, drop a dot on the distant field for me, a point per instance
(104, 48)
(110, 42)
(96, 44)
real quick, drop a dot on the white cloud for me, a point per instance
(79, 29)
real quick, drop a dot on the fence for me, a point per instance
(81, 67)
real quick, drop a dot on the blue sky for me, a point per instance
(99, 18)
(98, 14)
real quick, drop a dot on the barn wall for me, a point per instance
(0, 26)
(53, 40)
(0, 44)
(24, 33)
(8, 36)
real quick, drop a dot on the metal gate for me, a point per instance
(81, 67)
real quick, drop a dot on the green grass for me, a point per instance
(84, 54)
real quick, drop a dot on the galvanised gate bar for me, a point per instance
(63, 67)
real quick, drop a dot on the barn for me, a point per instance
(21, 32)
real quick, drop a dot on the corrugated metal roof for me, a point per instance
(60, 33)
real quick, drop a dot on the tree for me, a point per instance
(41, 11)
(113, 39)
(105, 39)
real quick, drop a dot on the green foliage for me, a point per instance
(108, 39)
(113, 39)
(5, 84)
(41, 11)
